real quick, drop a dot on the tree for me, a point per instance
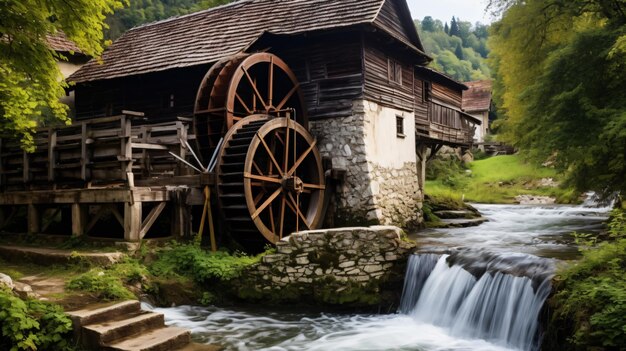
(454, 28)
(560, 73)
(428, 24)
(446, 28)
(459, 52)
(30, 81)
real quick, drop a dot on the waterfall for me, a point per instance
(498, 301)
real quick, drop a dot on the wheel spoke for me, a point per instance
(270, 87)
(288, 96)
(301, 158)
(258, 169)
(266, 203)
(282, 215)
(259, 197)
(269, 152)
(263, 178)
(253, 84)
(297, 210)
(314, 186)
(286, 147)
(245, 106)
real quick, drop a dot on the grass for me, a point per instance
(495, 180)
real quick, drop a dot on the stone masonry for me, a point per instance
(372, 193)
(333, 266)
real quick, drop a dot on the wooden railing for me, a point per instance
(445, 124)
(89, 152)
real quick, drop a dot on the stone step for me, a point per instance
(452, 214)
(462, 222)
(106, 332)
(161, 339)
(102, 312)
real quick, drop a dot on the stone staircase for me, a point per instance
(124, 326)
(459, 218)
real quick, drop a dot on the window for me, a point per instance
(400, 127)
(394, 71)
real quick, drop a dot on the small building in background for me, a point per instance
(75, 60)
(477, 102)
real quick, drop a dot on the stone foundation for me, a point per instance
(382, 180)
(345, 266)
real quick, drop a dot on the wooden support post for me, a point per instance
(52, 143)
(132, 221)
(25, 169)
(181, 224)
(33, 219)
(79, 219)
(84, 158)
(126, 147)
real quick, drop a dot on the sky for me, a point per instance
(467, 10)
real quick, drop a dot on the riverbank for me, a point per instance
(498, 179)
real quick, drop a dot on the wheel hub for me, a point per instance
(292, 183)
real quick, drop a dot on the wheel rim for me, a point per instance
(282, 178)
(241, 86)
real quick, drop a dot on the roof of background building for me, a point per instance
(207, 36)
(478, 96)
(59, 42)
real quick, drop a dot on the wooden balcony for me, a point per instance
(445, 125)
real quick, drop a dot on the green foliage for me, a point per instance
(202, 266)
(109, 283)
(145, 11)
(30, 81)
(459, 51)
(589, 304)
(560, 70)
(32, 324)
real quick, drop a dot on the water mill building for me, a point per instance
(345, 81)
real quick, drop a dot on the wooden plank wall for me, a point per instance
(389, 18)
(379, 88)
(329, 69)
(446, 95)
(150, 93)
(420, 105)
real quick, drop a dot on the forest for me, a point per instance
(459, 49)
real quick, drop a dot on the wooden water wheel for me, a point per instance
(270, 179)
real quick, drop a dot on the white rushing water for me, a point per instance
(469, 299)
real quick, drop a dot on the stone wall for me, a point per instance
(381, 185)
(361, 266)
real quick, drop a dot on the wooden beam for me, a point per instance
(79, 219)
(132, 221)
(151, 218)
(52, 143)
(33, 219)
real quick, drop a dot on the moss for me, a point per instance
(324, 258)
(344, 218)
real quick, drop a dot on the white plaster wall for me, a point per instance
(67, 68)
(481, 131)
(382, 145)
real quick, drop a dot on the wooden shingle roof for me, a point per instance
(478, 96)
(60, 43)
(207, 36)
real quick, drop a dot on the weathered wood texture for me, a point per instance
(95, 151)
(391, 19)
(379, 86)
(205, 37)
(329, 69)
(446, 95)
(161, 96)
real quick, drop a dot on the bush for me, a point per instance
(589, 303)
(32, 324)
(201, 266)
(109, 284)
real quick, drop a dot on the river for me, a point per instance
(449, 302)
